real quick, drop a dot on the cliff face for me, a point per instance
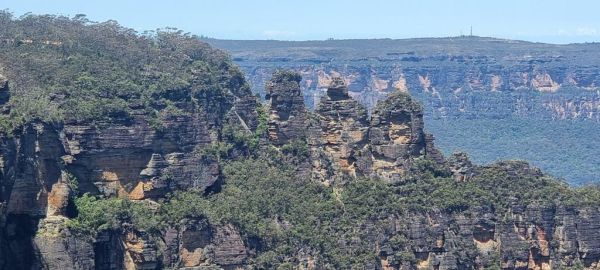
(347, 144)
(454, 77)
(132, 160)
(85, 192)
(466, 84)
(396, 136)
(531, 237)
(288, 118)
(42, 165)
(343, 134)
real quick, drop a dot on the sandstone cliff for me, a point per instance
(383, 146)
(40, 161)
(532, 92)
(343, 134)
(344, 142)
(454, 77)
(194, 173)
(288, 118)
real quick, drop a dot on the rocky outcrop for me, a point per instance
(530, 237)
(396, 136)
(41, 163)
(345, 143)
(349, 144)
(470, 82)
(58, 248)
(138, 162)
(133, 161)
(287, 115)
(195, 244)
(198, 244)
(343, 134)
(37, 202)
(461, 166)
(431, 150)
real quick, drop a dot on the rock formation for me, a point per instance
(530, 237)
(44, 165)
(134, 161)
(396, 136)
(128, 160)
(287, 115)
(380, 146)
(461, 166)
(469, 83)
(343, 135)
(453, 77)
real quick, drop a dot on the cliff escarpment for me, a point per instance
(102, 111)
(454, 76)
(479, 95)
(127, 151)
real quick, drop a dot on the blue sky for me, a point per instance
(544, 21)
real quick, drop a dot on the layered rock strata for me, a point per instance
(396, 136)
(42, 165)
(287, 116)
(344, 141)
(343, 134)
(472, 77)
(40, 161)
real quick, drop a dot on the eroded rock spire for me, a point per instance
(287, 113)
(343, 135)
(396, 136)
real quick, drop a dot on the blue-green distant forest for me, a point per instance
(565, 149)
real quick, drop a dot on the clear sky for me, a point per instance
(551, 21)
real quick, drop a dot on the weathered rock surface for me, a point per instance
(39, 161)
(454, 77)
(287, 113)
(351, 142)
(470, 82)
(58, 248)
(528, 237)
(532, 237)
(133, 160)
(343, 135)
(197, 244)
(396, 136)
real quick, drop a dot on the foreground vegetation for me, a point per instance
(282, 215)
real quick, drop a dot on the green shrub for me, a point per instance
(296, 148)
(95, 215)
(405, 256)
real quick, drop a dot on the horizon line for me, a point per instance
(202, 37)
(140, 31)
